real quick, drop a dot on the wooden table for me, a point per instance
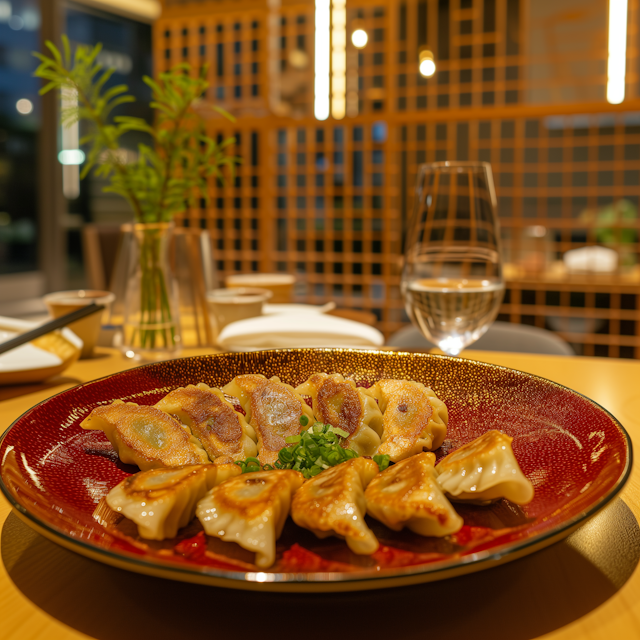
(587, 586)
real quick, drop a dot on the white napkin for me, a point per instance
(27, 356)
(297, 330)
(593, 259)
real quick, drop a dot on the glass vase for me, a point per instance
(151, 326)
(194, 267)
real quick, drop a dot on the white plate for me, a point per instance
(300, 330)
(39, 359)
(279, 309)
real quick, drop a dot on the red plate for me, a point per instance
(577, 455)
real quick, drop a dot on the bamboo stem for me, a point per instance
(157, 325)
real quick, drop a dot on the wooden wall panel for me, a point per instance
(329, 200)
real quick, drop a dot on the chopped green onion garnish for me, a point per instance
(249, 465)
(312, 451)
(382, 460)
(341, 432)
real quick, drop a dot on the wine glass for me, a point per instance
(452, 278)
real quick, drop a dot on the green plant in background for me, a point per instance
(616, 226)
(169, 174)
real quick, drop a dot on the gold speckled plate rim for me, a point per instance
(327, 581)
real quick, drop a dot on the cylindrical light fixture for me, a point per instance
(322, 81)
(617, 61)
(338, 58)
(359, 38)
(426, 63)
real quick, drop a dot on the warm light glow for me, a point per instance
(321, 87)
(427, 68)
(427, 65)
(24, 107)
(298, 59)
(616, 67)
(338, 59)
(359, 38)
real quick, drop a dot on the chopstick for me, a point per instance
(48, 327)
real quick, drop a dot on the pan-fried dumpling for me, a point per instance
(273, 409)
(145, 436)
(340, 403)
(407, 494)
(484, 469)
(161, 501)
(212, 420)
(251, 510)
(414, 419)
(332, 503)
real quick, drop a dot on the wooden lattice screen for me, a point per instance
(328, 200)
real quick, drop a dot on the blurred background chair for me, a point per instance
(501, 336)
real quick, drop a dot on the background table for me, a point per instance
(587, 586)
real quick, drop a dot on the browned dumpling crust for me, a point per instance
(273, 409)
(407, 495)
(251, 510)
(340, 403)
(212, 420)
(483, 470)
(145, 436)
(332, 503)
(414, 419)
(161, 501)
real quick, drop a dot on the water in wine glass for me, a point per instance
(453, 313)
(452, 279)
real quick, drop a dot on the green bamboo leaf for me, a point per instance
(152, 84)
(134, 124)
(54, 50)
(162, 107)
(114, 91)
(67, 50)
(114, 103)
(223, 112)
(48, 87)
(103, 79)
(43, 59)
(92, 54)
